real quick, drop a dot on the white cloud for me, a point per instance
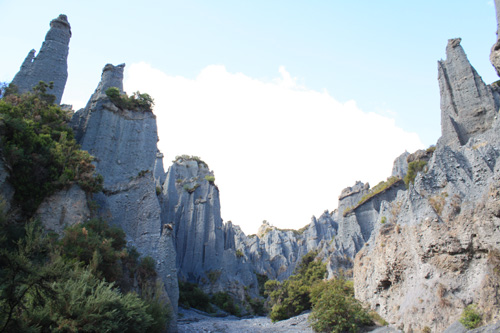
(280, 152)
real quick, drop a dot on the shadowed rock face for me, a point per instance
(468, 105)
(50, 65)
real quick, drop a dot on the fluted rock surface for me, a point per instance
(468, 105)
(439, 249)
(123, 143)
(336, 236)
(191, 208)
(50, 65)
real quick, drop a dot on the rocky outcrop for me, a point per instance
(50, 65)
(438, 250)
(123, 143)
(64, 208)
(468, 105)
(336, 236)
(191, 209)
(400, 166)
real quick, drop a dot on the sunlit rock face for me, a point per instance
(468, 105)
(439, 249)
(51, 63)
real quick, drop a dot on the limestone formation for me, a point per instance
(468, 105)
(191, 207)
(400, 167)
(123, 143)
(50, 65)
(439, 250)
(64, 208)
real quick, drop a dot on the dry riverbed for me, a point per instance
(194, 321)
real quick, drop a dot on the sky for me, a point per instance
(288, 102)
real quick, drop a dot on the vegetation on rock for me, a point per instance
(39, 148)
(335, 309)
(413, 169)
(471, 318)
(135, 102)
(50, 285)
(292, 296)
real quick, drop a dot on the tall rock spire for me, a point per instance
(50, 65)
(468, 105)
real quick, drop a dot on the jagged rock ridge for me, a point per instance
(50, 65)
(439, 250)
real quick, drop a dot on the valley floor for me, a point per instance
(194, 321)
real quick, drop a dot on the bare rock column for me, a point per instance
(50, 65)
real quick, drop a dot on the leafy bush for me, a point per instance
(239, 253)
(335, 309)
(210, 178)
(96, 244)
(471, 318)
(135, 102)
(292, 297)
(413, 169)
(41, 291)
(40, 150)
(225, 302)
(191, 296)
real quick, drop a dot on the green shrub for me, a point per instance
(190, 189)
(383, 219)
(191, 296)
(471, 318)
(135, 102)
(40, 149)
(225, 302)
(96, 244)
(239, 253)
(210, 178)
(261, 281)
(413, 169)
(292, 297)
(42, 292)
(335, 309)
(214, 275)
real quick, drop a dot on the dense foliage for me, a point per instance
(136, 102)
(191, 296)
(46, 285)
(335, 309)
(40, 150)
(292, 296)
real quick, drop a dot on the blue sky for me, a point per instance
(360, 57)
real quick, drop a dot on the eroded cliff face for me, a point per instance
(191, 209)
(439, 250)
(336, 236)
(50, 65)
(123, 143)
